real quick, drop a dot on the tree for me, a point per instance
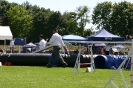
(55, 21)
(40, 22)
(0, 21)
(116, 18)
(101, 15)
(4, 21)
(31, 9)
(122, 18)
(20, 21)
(88, 32)
(71, 25)
(4, 7)
(82, 18)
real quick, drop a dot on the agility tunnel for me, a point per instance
(111, 62)
(38, 59)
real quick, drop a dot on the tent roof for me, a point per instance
(5, 33)
(104, 33)
(73, 37)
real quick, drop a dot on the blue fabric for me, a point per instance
(55, 62)
(104, 35)
(118, 60)
(111, 61)
(19, 41)
(127, 64)
(107, 39)
(73, 38)
(25, 49)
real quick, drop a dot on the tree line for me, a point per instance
(29, 21)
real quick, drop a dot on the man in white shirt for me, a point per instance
(11, 46)
(57, 43)
(42, 43)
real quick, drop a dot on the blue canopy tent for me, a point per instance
(19, 41)
(104, 35)
(73, 38)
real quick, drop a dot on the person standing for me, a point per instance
(107, 48)
(103, 51)
(57, 42)
(94, 49)
(42, 43)
(11, 46)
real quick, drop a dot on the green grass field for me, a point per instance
(57, 77)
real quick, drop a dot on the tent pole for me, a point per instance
(4, 44)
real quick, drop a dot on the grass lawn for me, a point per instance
(56, 77)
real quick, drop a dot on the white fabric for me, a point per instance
(30, 45)
(42, 44)
(119, 46)
(5, 33)
(56, 40)
(12, 44)
(107, 48)
(115, 50)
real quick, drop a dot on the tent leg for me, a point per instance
(4, 44)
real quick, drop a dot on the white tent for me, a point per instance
(5, 33)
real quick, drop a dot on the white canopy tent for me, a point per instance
(5, 34)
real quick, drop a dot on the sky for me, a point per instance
(66, 5)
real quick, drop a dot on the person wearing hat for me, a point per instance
(57, 42)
